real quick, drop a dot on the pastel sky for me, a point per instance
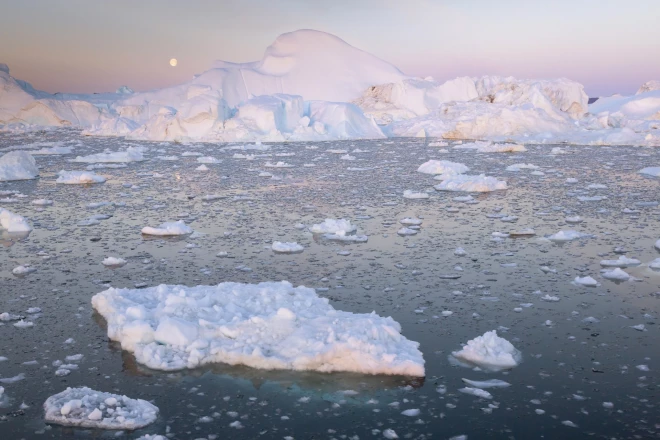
(611, 46)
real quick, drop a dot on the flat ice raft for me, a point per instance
(268, 325)
(87, 408)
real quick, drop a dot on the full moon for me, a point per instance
(173, 62)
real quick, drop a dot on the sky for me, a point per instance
(84, 46)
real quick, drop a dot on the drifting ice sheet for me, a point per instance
(87, 408)
(267, 325)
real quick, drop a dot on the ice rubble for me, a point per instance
(267, 325)
(88, 408)
(18, 165)
(168, 228)
(13, 222)
(489, 352)
(462, 182)
(79, 177)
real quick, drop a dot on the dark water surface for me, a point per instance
(588, 355)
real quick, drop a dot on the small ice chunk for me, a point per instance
(113, 261)
(287, 248)
(168, 228)
(585, 281)
(491, 383)
(478, 392)
(615, 274)
(489, 351)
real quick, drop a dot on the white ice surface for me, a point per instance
(267, 325)
(651, 171)
(622, 261)
(18, 165)
(489, 352)
(567, 235)
(462, 182)
(13, 222)
(333, 226)
(442, 167)
(168, 228)
(86, 408)
(132, 154)
(79, 177)
(287, 248)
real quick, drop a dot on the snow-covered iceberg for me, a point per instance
(18, 165)
(87, 408)
(267, 325)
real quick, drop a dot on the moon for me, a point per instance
(173, 62)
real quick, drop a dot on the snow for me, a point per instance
(462, 182)
(132, 154)
(79, 177)
(333, 226)
(169, 228)
(13, 222)
(17, 165)
(442, 167)
(287, 248)
(489, 352)
(87, 408)
(267, 325)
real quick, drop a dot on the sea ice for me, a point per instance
(79, 177)
(13, 222)
(622, 261)
(490, 352)
(18, 165)
(113, 261)
(478, 392)
(266, 325)
(333, 226)
(615, 274)
(585, 281)
(461, 182)
(87, 408)
(169, 228)
(287, 248)
(442, 167)
(491, 383)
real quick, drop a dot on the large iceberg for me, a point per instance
(267, 325)
(18, 165)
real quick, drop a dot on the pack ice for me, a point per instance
(87, 408)
(270, 325)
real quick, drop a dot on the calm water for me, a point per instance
(588, 355)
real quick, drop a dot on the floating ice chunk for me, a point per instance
(410, 221)
(463, 199)
(407, 231)
(23, 270)
(13, 222)
(489, 147)
(569, 424)
(478, 392)
(575, 219)
(462, 182)
(585, 281)
(657, 245)
(266, 325)
(650, 171)
(567, 236)
(622, 261)
(460, 252)
(113, 261)
(527, 232)
(347, 157)
(342, 236)
(615, 274)
(438, 144)
(333, 226)
(79, 177)
(571, 180)
(42, 202)
(492, 383)
(390, 434)
(202, 167)
(408, 194)
(208, 159)
(490, 352)
(638, 327)
(557, 150)
(278, 165)
(655, 264)
(522, 166)
(23, 324)
(14, 379)
(52, 151)
(87, 408)
(132, 154)
(411, 412)
(442, 167)
(550, 298)
(287, 248)
(18, 165)
(169, 228)
(591, 198)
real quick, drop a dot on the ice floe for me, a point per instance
(442, 167)
(489, 352)
(18, 165)
(333, 226)
(168, 228)
(567, 235)
(622, 261)
(461, 182)
(287, 248)
(408, 194)
(13, 222)
(86, 408)
(651, 171)
(132, 154)
(79, 177)
(266, 325)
